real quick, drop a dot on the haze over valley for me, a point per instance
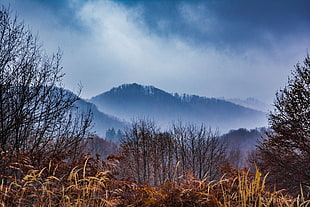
(120, 105)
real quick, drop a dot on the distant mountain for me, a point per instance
(243, 141)
(133, 100)
(101, 121)
(251, 103)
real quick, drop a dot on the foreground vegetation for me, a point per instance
(83, 185)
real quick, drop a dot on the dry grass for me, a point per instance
(37, 189)
(84, 187)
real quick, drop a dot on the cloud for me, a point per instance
(206, 48)
(135, 54)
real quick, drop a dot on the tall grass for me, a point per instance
(76, 189)
(245, 189)
(81, 187)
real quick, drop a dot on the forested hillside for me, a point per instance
(136, 101)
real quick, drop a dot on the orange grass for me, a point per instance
(79, 188)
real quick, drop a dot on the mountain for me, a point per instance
(241, 142)
(101, 121)
(251, 103)
(133, 100)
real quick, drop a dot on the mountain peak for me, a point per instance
(134, 88)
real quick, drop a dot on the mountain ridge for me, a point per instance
(134, 100)
(250, 102)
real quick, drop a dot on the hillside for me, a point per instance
(251, 103)
(101, 121)
(133, 100)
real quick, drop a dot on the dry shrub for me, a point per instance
(237, 188)
(90, 183)
(243, 188)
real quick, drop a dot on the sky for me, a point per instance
(212, 48)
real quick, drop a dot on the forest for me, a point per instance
(49, 155)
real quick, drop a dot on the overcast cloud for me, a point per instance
(211, 48)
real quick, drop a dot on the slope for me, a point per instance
(133, 100)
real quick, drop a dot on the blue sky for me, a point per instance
(214, 48)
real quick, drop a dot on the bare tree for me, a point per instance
(37, 116)
(200, 150)
(149, 155)
(137, 150)
(152, 156)
(165, 157)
